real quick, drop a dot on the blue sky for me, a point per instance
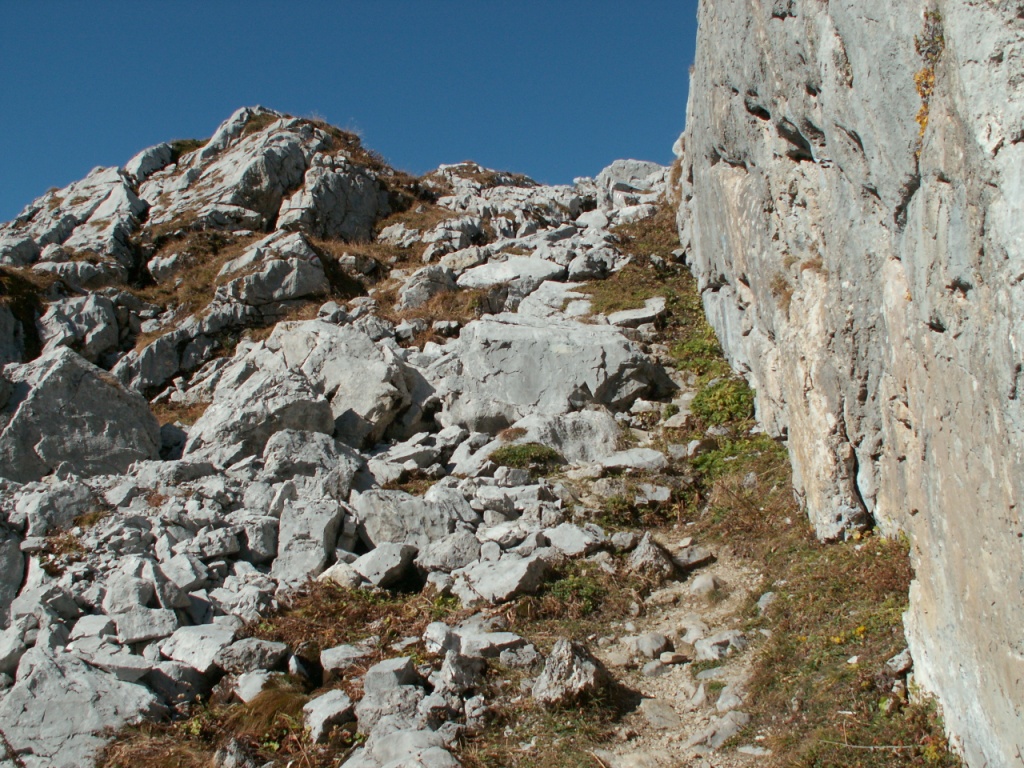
(552, 89)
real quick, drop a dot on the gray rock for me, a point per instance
(88, 325)
(499, 581)
(12, 571)
(386, 564)
(250, 655)
(720, 730)
(337, 200)
(323, 712)
(92, 626)
(233, 755)
(624, 541)
(251, 684)
(692, 556)
(59, 709)
(720, 645)
(249, 405)
(660, 715)
(457, 550)
(289, 453)
(306, 539)
(649, 644)
(477, 643)
(139, 624)
(509, 366)
(398, 517)
(631, 318)
(197, 646)
(458, 674)
(423, 285)
(901, 663)
(341, 574)
(149, 161)
(185, 571)
(399, 704)
(651, 560)
(65, 411)
(636, 458)
(570, 674)
(865, 290)
(13, 646)
(420, 748)
(575, 541)
(705, 584)
(528, 271)
(341, 657)
(390, 674)
(175, 683)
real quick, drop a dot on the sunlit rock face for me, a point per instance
(849, 174)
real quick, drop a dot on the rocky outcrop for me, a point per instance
(60, 411)
(848, 175)
(133, 558)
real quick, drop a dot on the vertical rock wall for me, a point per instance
(866, 277)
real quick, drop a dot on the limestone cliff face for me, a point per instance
(867, 277)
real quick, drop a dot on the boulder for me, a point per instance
(323, 712)
(500, 580)
(507, 367)
(423, 285)
(450, 553)
(524, 271)
(365, 384)
(290, 452)
(650, 560)
(11, 571)
(58, 711)
(308, 533)
(249, 655)
(280, 267)
(580, 437)
(396, 516)
(86, 324)
(256, 397)
(575, 541)
(337, 200)
(570, 674)
(198, 646)
(386, 564)
(65, 411)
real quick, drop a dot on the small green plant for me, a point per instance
(538, 459)
(580, 593)
(724, 400)
(700, 354)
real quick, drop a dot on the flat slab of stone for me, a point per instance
(513, 268)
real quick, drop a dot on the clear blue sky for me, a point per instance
(553, 89)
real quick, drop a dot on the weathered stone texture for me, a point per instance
(868, 285)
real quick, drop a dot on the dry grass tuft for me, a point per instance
(169, 413)
(154, 746)
(323, 615)
(24, 292)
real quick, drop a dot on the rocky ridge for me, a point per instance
(136, 554)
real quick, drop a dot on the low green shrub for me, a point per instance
(724, 400)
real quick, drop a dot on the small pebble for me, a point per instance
(653, 669)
